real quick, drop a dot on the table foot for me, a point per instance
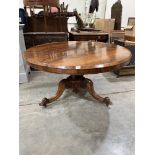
(61, 88)
(75, 83)
(44, 102)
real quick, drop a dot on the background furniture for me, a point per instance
(37, 38)
(105, 25)
(40, 18)
(23, 67)
(131, 22)
(126, 33)
(129, 35)
(45, 26)
(130, 68)
(126, 38)
(86, 36)
(53, 24)
(116, 35)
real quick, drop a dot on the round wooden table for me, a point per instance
(77, 58)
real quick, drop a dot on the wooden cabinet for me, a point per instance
(53, 24)
(37, 38)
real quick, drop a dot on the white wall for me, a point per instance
(21, 5)
(127, 11)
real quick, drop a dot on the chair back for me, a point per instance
(106, 25)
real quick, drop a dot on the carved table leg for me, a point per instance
(75, 83)
(90, 89)
(61, 88)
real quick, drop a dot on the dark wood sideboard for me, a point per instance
(37, 38)
(86, 36)
(53, 24)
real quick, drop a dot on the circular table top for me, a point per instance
(77, 57)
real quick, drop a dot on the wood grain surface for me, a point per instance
(77, 57)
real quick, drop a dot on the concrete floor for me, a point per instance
(77, 125)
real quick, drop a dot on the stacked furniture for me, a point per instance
(127, 40)
(100, 32)
(106, 25)
(88, 36)
(124, 37)
(43, 25)
(129, 69)
(37, 38)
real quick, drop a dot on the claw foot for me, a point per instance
(107, 101)
(44, 102)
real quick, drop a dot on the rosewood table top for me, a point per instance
(77, 57)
